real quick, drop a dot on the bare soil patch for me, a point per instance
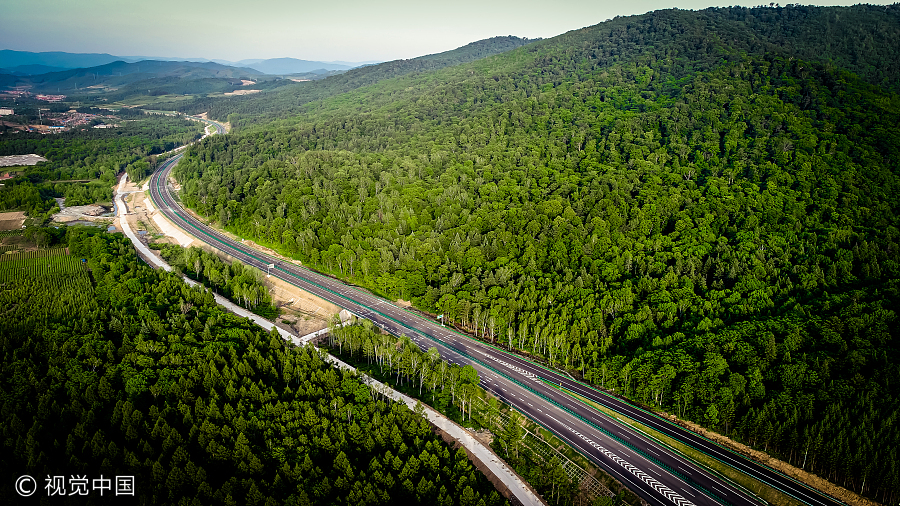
(20, 243)
(242, 92)
(302, 312)
(16, 126)
(12, 220)
(93, 212)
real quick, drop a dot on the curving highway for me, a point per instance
(649, 470)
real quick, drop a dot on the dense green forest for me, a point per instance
(93, 155)
(89, 153)
(111, 367)
(696, 210)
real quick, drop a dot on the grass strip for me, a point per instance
(763, 491)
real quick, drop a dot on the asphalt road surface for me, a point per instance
(649, 470)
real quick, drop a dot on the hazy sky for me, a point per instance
(325, 30)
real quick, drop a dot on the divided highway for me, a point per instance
(650, 471)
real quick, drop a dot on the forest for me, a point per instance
(861, 39)
(696, 210)
(112, 367)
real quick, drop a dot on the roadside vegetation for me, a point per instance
(454, 391)
(240, 283)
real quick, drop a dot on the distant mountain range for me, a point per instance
(30, 70)
(287, 100)
(120, 73)
(10, 59)
(23, 63)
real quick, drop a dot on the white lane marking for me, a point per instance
(519, 370)
(667, 492)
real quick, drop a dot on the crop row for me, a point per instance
(41, 253)
(20, 267)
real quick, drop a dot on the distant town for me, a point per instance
(54, 122)
(27, 94)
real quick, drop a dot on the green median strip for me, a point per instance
(761, 490)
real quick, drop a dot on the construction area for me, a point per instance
(82, 215)
(20, 160)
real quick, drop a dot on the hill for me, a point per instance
(143, 81)
(121, 73)
(10, 58)
(28, 70)
(696, 210)
(284, 102)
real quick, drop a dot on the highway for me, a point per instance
(650, 471)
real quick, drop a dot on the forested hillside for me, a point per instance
(696, 210)
(112, 368)
(254, 109)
